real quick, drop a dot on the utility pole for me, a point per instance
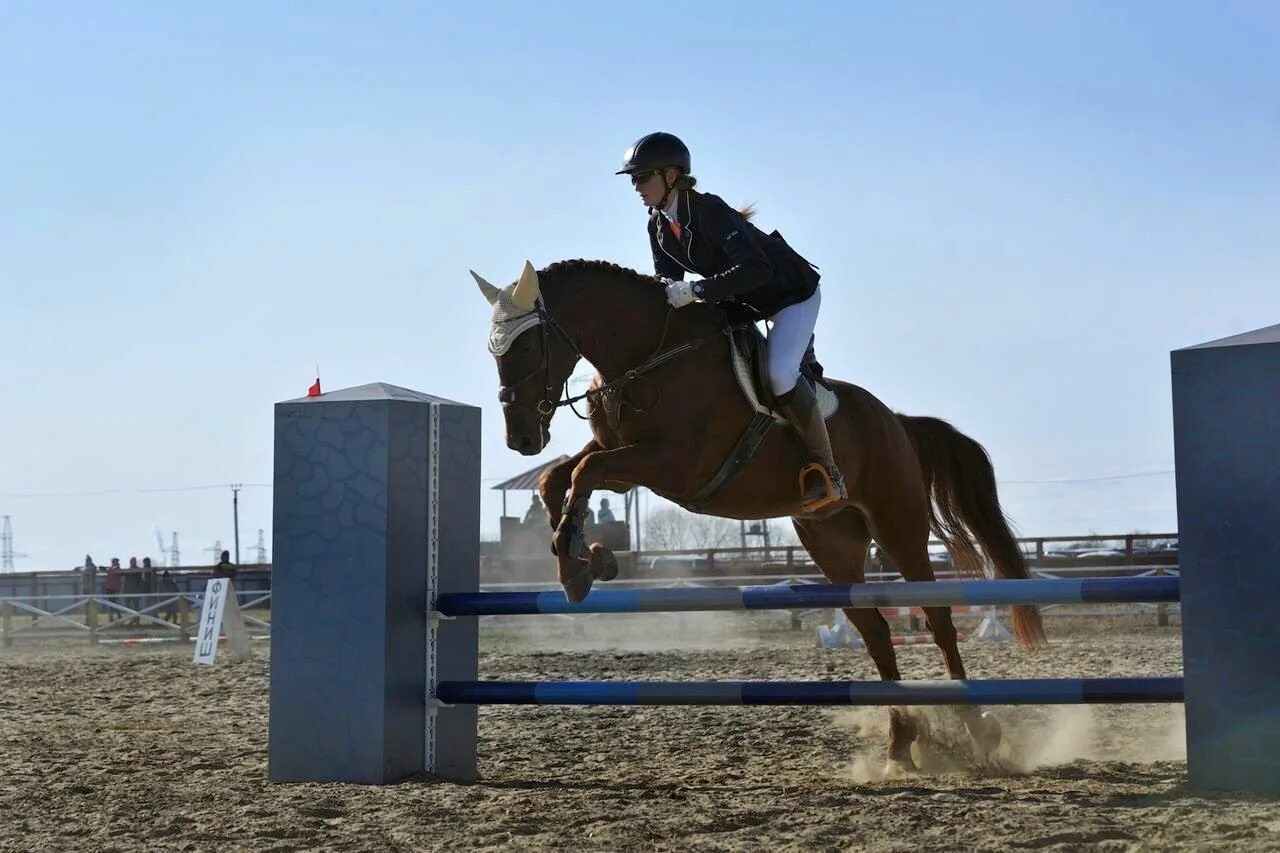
(235, 515)
(262, 547)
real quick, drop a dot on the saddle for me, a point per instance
(749, 355)
(749, 352)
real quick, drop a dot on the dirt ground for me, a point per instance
(136, 748)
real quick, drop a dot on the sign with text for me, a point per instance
(220, 611)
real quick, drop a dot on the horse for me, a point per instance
(666, 411)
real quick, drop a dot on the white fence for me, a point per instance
(132, 618)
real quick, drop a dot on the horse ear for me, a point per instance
(526, 292)
(490, 292)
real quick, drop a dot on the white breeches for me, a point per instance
(788, 339)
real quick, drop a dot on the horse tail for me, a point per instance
(965, 513)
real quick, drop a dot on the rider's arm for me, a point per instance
(728, 229)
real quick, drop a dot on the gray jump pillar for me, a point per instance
(1226, 425)
(377, 503)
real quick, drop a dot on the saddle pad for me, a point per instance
(828, 403)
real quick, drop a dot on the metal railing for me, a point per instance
(133, 618)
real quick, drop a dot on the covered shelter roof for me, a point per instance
(529, 479)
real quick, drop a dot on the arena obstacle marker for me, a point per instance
(992, 630)
(1226, 428)
(377, 504)
(220, 612)
(374, 644)
(841, 634)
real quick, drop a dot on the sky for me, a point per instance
(1019, 210)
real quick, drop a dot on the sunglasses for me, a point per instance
(638, 178)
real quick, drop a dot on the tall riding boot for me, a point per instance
(820, 482)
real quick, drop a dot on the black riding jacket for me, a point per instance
(738, 262)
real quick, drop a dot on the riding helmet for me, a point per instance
(655, 151)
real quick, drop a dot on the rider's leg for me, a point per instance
(788, 340)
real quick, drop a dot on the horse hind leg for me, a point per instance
(839, 544)
(903, 731)
(905, 538)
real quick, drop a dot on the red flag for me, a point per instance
(314, 390)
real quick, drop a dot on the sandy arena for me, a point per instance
(136, 748)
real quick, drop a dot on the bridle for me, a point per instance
(550, 400)
(553, 398)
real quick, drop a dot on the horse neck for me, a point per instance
(615, 324)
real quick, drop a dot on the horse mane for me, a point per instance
(580, 266)
(694, 320)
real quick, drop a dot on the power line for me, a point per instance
(1086, 479)
(100, 492)
(133, 491)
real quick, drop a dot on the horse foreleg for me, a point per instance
(554, 486)
(636, 463)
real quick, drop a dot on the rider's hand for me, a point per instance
(679, 293)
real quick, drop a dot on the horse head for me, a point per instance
(534, 356)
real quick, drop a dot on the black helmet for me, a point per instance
(655, 151)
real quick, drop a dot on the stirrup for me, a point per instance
(831, 496)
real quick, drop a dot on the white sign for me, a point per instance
(219, 611)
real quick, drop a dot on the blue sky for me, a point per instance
(1019, 210)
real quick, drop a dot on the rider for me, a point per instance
(763, 276)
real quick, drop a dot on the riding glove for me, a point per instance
(680, 293)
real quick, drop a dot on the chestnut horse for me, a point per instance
(665, 412)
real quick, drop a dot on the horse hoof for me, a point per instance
(899, 768)
(604, 565)
(576, 590)
(986, 732)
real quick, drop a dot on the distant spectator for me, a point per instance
(537, 513)
(135, 585)
(225, 568)
(88, 576)
(114, 580)
(168, 586)
(605, 515)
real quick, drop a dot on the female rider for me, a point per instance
(759, 273)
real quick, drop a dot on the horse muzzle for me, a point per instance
(530, 444)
